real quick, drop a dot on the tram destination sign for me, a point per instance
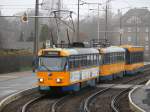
(51, 53)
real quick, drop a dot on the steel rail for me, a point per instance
(58, 102)
(90, 98)
(26, 106)
(114, 102)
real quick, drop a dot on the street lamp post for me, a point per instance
(98, 21)
(78, 21)
(36, 39)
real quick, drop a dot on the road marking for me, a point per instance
(8, 76)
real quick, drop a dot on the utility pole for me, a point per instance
(78, 28)
(136, 29)
(120, 18)
(106, 21)
(58, 28)
(98, 18)
(36, 38)
(98, 26)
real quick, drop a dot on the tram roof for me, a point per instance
(132, 48)
(112, 49)
(70, 51)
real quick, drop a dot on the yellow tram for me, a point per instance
(67, 69)
(113, 62)
(70, 69)
(134, 59)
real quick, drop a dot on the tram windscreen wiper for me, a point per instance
(46, 67)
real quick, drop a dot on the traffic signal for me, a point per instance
(24, 18)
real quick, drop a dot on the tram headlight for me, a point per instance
(58, 80)
(41, 80)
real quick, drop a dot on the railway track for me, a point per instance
(40, 104)
(17, 105)
(115, 103)
(34, 102)
(26, 106)
(58, 102)
(116, 99)
(79, 102)
(71, 103)
(100, 95)
(76, 103)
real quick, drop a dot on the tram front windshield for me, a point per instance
(52, 63)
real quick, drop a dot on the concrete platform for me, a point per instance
(139, 98)
(117, 86)
(14, 82)
(146, 63)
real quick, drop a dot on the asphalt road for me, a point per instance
(14, 82)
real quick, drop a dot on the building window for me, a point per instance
(146, 47)
(138, 29)
(146, 38)
(129, 39)
(146, 29)
(129, 29)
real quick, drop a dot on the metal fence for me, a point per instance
(14, 63)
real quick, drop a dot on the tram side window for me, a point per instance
(109, 58)
(83, 60)
(88, 60)
(98, 59)
(127, 57)
(77, 61)
(113, 57)
(119, 56)
(95, 59)
(92, 59)
(136, 57)
(103, 58)
(122, 57)
(71, 63)
(106, 59)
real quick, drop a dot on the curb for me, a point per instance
(132, 105)
(16, 96)
(148, 83)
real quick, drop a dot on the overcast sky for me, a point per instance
(9, 7)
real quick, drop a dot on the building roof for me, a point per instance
(143, 14)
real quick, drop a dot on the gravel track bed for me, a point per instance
(43, 105)
(73, 103)
(102, 103)
(16, 106)
(124, 104)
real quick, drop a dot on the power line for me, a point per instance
(17, 5)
